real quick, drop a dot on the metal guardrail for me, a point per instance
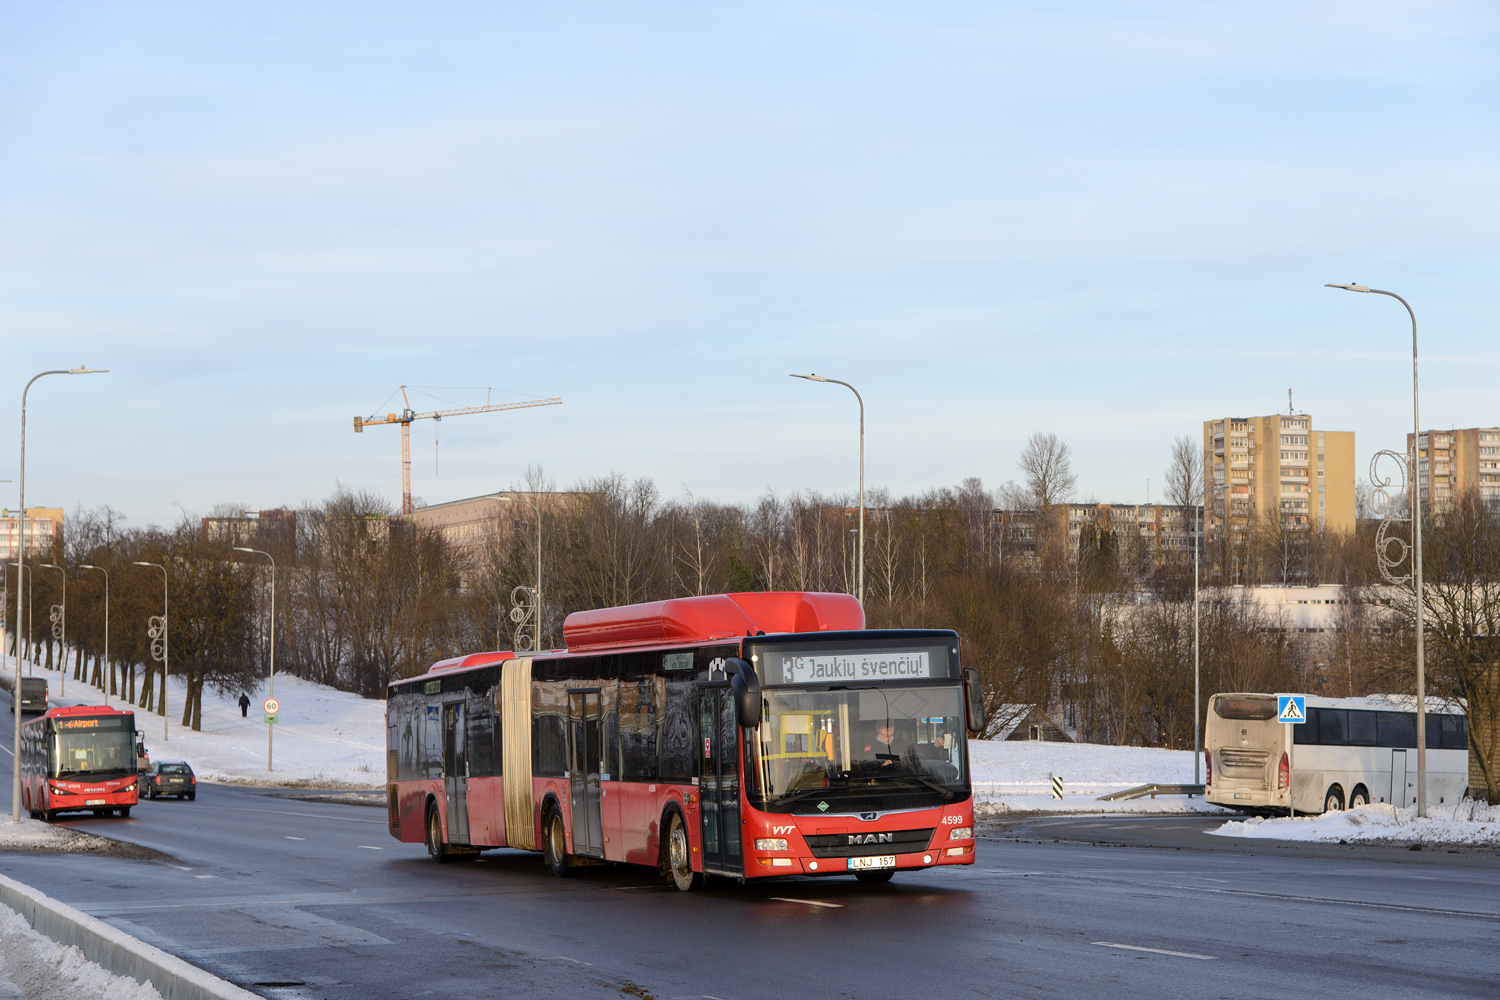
(1154, 789)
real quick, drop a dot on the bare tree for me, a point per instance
(1047, 465)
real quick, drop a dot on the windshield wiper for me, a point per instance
(944, 790)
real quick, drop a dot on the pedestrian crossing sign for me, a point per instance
(1291, 708)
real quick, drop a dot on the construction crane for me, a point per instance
(407, 415)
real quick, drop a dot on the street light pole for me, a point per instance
(271, 675)
(1416, 533)
(860, 589)
(541, 617)
(62, 682)
(166, 649)
(15, 758)
(107, 675)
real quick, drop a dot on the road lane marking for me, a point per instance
(806, 902)
(1155, 951)
(205, 876)
(296, 838)
(288, 812)
(367, 847)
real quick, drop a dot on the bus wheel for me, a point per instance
(1359, 797)
(876, 875)
(436, 849)
(556, 846)
(124, 812)
(1334, 802)
(680, 855)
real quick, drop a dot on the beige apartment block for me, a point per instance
(42, 527)
(1453, 461)
(1280, 463)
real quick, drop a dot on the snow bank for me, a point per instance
(1466, 822)
(324, 739)
(34, 835)
(1016, 776)
(39, 968)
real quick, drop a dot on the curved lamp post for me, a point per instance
(15, 765)
(108, 674)
(271, 674)
(541, 617)
(62, 638)
(166, 651)
(1416, 534)
(860, 589)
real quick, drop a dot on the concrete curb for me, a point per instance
(116, 951)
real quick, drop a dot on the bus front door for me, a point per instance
(719, 781)
(584, 753)
(456, 773)
(1398, 779)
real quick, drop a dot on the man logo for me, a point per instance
(870, 838)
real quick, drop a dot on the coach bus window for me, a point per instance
(1333, 727)
(1455, 732)
(1396, 729)
(481, 728)
(638, 730)
(1307, 732)
(1361, 728)
(677, 760)
(1245, 709)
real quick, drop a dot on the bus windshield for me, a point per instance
(851, 749)
(92, 753)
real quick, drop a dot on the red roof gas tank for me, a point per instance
(717, 616)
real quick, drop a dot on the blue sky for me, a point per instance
(1108, 221)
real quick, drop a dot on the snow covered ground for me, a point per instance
(1466, 822)
(324, 739)
(38, 968)
(34, 835)
(1016, 776)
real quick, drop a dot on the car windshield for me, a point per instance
(849, 749)
(97, 753)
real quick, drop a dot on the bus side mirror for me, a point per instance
(746, 688)
(973, 700)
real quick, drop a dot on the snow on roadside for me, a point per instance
(37, 968)
(34, 835)
(1016, 776)
(324, 738)
(1465, 822)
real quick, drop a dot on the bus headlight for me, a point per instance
(769, 844)
(961, 833)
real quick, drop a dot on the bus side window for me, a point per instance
(1307, 732)
(1333, 727)
(1361, 728)
(1397, 729)
(1455, 732)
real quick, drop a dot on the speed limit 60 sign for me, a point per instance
(272, 706)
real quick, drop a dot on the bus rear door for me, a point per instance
(718, 780)
(584, 754)
(456, 773)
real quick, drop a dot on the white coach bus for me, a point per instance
(1350, 751)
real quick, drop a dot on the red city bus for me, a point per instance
(742, 735)
(78, 759)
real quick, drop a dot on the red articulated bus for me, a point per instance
(77, 760)
(741, 735)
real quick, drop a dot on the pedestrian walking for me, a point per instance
(244, 705)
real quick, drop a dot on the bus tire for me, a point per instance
(876, 875)
(124, 812)
(677, 850)
(1359, 797)
(436, 849)
(555, 842)
(1334, 800)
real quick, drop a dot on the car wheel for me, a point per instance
(877, 875)
(1334, 801)
(1359, 797)
(679, 851)
(191, 796)
(556, 846)
(436, 849)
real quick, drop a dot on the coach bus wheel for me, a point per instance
(1334, 802)
(436, 849)
(124, 812)
(1359, 797)
(876, 875)
(556, 847)
(680, 855)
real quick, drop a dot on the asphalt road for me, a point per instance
(264, 890)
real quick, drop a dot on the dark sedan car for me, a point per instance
(171, 777)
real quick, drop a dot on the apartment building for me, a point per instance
(1153, 531)
(1452, 461)
(273, 531)
(1279, 463)
(42, 527)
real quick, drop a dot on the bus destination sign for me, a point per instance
(882, 665)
